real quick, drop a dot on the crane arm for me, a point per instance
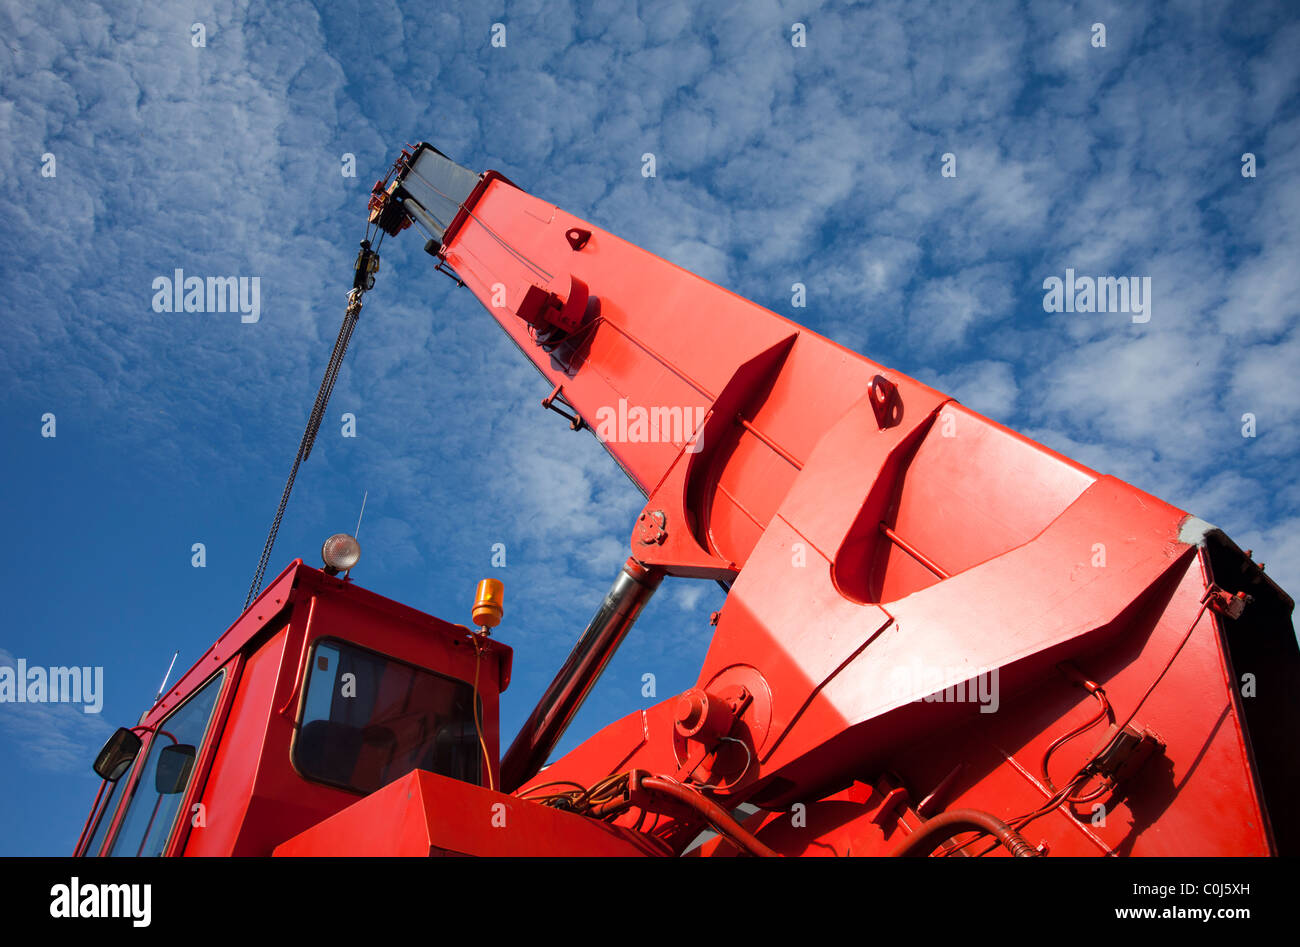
(882, 544)
(709, 402)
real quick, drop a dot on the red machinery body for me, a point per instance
(922, 603)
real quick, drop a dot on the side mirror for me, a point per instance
(118, 754)
(173, 771)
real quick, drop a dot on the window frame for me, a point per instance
(203, 748)
(107, 808)
(306, 671)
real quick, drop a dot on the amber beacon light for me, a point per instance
(488, 603)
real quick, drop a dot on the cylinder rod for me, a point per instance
(912, 551)
(557, 707)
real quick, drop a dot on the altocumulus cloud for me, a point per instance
(774, 165)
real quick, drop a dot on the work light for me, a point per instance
(340, 553)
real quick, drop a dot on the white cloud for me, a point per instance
(54, 737)
(775, 165)
(987, 387)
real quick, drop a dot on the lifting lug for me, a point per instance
(885, 402)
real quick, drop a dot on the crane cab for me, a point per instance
(320, 694)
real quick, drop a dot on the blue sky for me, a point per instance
(776, 164)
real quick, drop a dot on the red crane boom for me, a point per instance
(886, 545)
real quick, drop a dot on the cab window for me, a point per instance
(368, 719)
(107, 811)
(165, 775)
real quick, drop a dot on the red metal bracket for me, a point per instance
(651, 528)
(1227, 604)
(546, 311)
(576, 423)
(885, 402)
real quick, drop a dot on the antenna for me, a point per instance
(163, 686)
(361, 514)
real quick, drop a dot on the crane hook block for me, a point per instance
(367, 266)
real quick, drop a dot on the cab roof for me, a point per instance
(298, 579)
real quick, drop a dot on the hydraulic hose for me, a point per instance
(718, 816)
(948, 824)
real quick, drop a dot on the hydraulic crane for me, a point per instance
(939, 636)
